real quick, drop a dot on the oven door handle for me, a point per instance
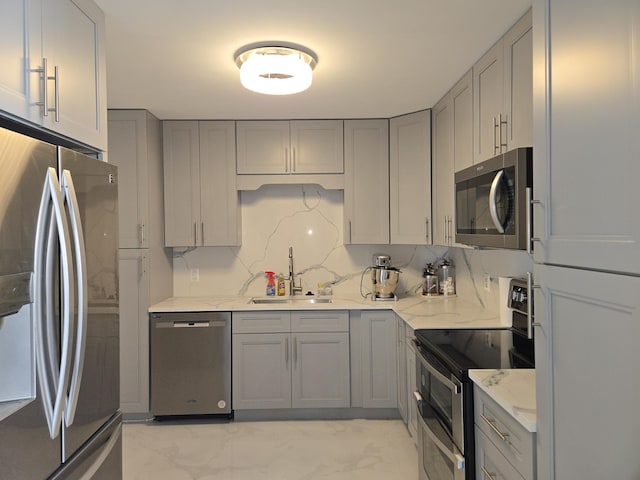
(433, 371)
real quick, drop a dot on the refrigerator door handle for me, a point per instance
(51, 217)
(81, 275)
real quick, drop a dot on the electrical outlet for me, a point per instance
(195, 274)
(487, 283)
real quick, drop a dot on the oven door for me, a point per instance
(438, 456)
(441, 396)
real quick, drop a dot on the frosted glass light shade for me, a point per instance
(275, 70)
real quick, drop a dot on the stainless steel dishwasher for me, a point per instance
(190, 361)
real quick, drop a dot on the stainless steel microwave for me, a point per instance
(491, 201)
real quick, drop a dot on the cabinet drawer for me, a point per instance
(261, 322)
(320, 321)
(518, 444)
(490, 463)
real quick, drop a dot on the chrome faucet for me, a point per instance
(293, 288)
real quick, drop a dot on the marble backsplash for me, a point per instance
(310, 219)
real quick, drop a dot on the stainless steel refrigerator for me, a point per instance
(59, 321)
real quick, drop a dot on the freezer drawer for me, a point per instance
(99, 459)
(190, 363)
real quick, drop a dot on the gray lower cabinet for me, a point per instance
(504, 448)
(403, 389)
(290, 360)
(378, 359)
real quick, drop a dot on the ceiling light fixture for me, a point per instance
(275, 68)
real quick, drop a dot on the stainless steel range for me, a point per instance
(445, 392)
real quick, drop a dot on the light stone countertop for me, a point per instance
(512, 389)
(417, 311)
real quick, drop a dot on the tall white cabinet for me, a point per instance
(585, 216)
(69, 36)
(410, 178)
(146, 275)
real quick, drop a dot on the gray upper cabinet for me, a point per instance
(70, 35)
(502, 91)
(200, 196)
(586, 168)
(366, 183)
(452, 136)
(290, 147)
(134, 137)
(410, 178)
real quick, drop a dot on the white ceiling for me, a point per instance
(376, 58)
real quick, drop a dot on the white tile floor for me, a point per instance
(289, 450)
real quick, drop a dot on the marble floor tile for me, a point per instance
(278, 450)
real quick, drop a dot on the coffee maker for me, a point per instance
(384, 278)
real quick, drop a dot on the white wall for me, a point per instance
(308, 218)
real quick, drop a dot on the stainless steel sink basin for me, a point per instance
(290, 299)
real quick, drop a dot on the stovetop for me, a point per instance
(462, 349)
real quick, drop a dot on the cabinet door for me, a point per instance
(263, 147)
(401, 373)
(462, 111)
(128, 151)
(490, 463)
(442, 187)
(379, 381)
(20, 26)
(317, 146)
(181, 146)
(585, 167)
(488, 102)
(410, 178)
(320, 376)
(518, 84)
(134, 331)
(261, 370)
(73, 39)
(320, 321)
(366, 183)
(587, 382)
(220, 213)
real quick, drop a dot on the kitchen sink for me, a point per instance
(290, 299)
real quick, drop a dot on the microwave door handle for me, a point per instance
(493, 207)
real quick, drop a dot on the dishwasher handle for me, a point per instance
(190, 324)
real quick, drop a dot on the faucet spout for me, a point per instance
(293, 288)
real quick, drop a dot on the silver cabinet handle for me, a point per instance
(286, 160)
(142, 234)
(503, 436)
(426, 221)
(500, 124)
(350, 239)
(294, 159)
(45, 91)
(195, 234)
(202, 232)
(56, 93)
(489, 476)
(495, 140)
(529, 220)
